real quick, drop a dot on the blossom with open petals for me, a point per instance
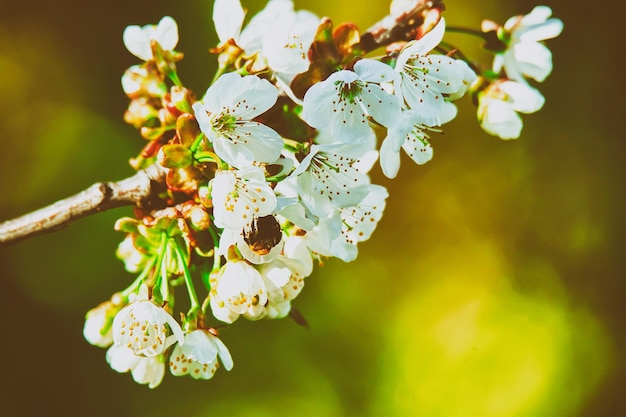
(499, 104)
(359, 222)
(238, 290)
(328, 177)
(284, 276)
(225, 116)
(426, 79)
(239, 196)
(142, 326)
(279, 35)
(144, 370)
(347, 99)
(409, 134)
(198, 355)
(526, 55)
(137, 39)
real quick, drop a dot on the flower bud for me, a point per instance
(138, 81)
(174, 156)
(140, 112)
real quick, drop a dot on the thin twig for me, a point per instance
(139, 190)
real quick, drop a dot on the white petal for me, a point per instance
(121, 359)
(537, 15)
(228, 17)
(149, 371)
(264, 143)
(221, 311)
(374, 71)
(137, 42)
(235, 204)
(251, 96)
(296, 249)
(276, 12)
(200, 346)
(382, 106)
(203, 119)
(246, 97)
(224, 354)
(318, 108)
(310, 194)
(532, 59)
(175, 327)
(500, 119)
(286, 46)
(424, 45)
(419, 151)
(546, 30)
(526, 99)
(389, 158)
(219, 95)
(167, 33)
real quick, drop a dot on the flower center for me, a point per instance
(143, 337)
(349, 91)
(224, 122)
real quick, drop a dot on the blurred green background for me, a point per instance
(493, 285)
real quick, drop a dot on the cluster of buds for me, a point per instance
(268, 171)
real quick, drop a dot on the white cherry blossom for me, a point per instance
(144, 370)
(409, 134)
(137, 38)
(427, 79)
(279, 34)
(499, 104)
(346, 100)
(358, 223)
(525, 55)
(238, 289)
(284, 276)
(225, 116)
(327, 229)
(198, 356)
(239, 196)
(142, 326)
(327, 178)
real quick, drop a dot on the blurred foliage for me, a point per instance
(492, 287)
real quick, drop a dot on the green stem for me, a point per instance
(210, 157)
(221, 70)
(467, 31)
(173, 75)
(194, 146)
(191, 290)
(157, 277)
(137, 282)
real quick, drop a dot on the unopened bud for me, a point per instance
(199, 218)
(139, 81)
(174, 156)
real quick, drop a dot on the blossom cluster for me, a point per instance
(268, 170)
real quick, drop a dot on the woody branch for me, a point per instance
(139, 190)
